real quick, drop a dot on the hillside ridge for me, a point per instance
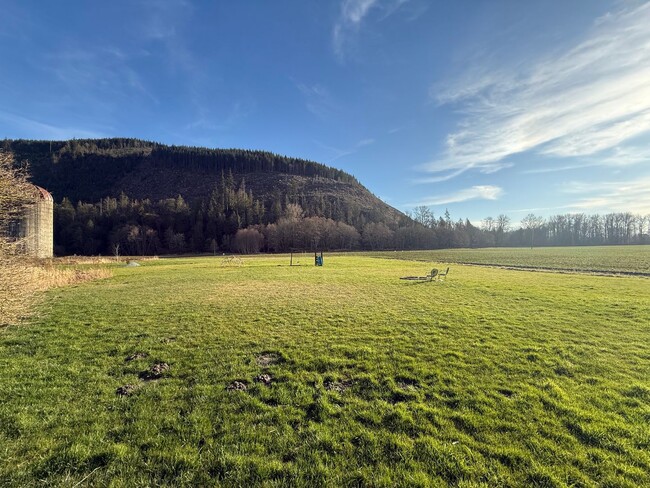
(91, 169)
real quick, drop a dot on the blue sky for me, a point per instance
(481, 107)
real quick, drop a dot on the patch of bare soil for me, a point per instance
(338, 386)
(238, 386)
(268, 359)
(264, 378)
(156, 372)
(135, 356)
(126, 390)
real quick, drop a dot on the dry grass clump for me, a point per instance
(73, 260)
(22, 279)
(50, 277)
(17, 284)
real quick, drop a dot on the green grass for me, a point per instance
(491, 378)
(621, 259)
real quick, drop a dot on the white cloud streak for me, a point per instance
(479, 192)
(594, 98)
(105, 72)
(610, 196)
(43, 130)
(617, 157)
(340, 153)
(352, 13)
(318, 100)
(351, 17)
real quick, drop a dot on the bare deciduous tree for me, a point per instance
(532, 222)
(424, 216)
(16, 279)
(248, 241)
(14, 190)
(503, 223)
(488, 224)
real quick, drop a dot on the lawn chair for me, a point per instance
(442, 276)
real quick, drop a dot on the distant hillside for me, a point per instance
(90, 169)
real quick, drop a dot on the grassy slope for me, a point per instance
(601, 258)
(518, 378)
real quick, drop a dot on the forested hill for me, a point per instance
(138, 197)
(91, 169)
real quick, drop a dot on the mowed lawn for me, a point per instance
(605, 259)
(493, 377)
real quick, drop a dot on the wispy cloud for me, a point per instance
(162, 18)
(440, 178)
(365, 142)
(593, 98)
(353, 11)
(166, 30)
(607, 196)
(318, 100)
(101, 73)
(42, 130)
(340, 153)
(352, 15)
(616, 157)
(479, 192)
(237, 112)
(537, 209)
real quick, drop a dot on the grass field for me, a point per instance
(607, 259)
(493, 377)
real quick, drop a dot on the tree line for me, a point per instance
(580, 229)
(577, 229)
(232, 220)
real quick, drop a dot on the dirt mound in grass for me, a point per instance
(126, 390)
(155, 372)
(135, 356)
(267, 359)
(238, 386)
(338, 386)
(264, 378)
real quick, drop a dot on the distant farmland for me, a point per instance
(608, 259)
(191, 372)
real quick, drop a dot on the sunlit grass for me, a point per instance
(493, 376)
